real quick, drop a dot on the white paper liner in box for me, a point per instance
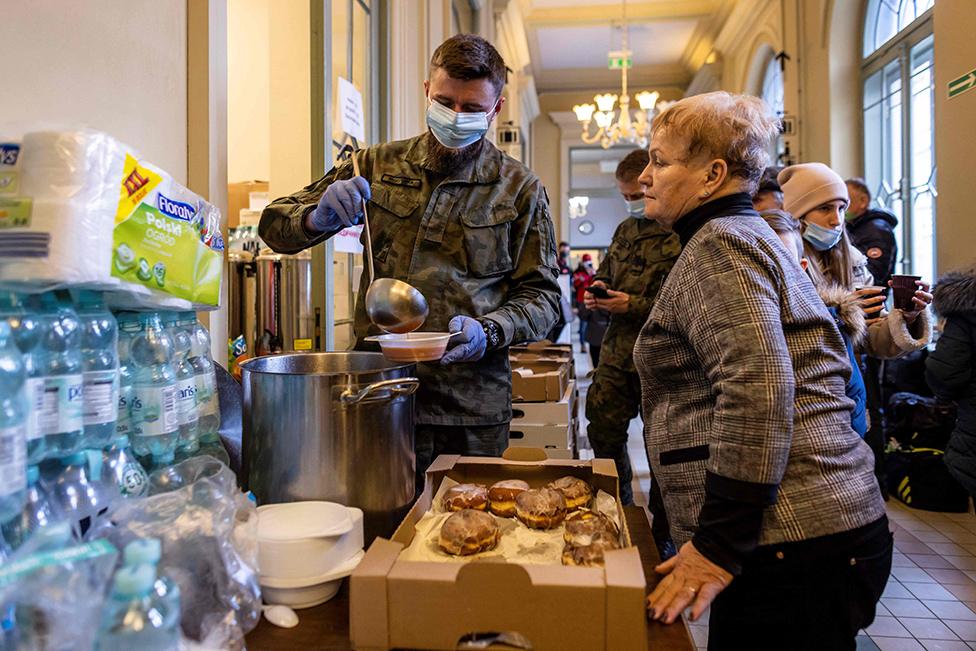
(517, 543)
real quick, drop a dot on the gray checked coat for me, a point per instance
(743, 376)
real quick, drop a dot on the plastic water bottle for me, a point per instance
(56, 382)
(77, 491)
(121, 469)
(27, 335)
(13, 426)
(38, 511)
(100, 356)
(206, 379)
(186, 388)
(131, 620)
(153, 409)
(148, 551)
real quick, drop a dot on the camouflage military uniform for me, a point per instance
(640, 258)
(478, 242)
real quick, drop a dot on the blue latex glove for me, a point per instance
(470, 345)
(341, 205)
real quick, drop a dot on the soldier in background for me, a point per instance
(639, 259)
(466, 225)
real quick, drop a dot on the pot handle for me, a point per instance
(385, 390)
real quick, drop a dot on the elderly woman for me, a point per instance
(769, 491)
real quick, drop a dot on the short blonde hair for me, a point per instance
(735, 128)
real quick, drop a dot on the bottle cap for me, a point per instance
(145, 550)
(164, 458)
(33, 474)
(134, 580)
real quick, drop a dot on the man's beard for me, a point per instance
(445, 159)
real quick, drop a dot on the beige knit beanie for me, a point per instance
(808, 185)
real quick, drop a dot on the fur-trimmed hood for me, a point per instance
(955, 293)
(849, 314)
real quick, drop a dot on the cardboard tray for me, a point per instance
(547, 413)
(429, 605)
(548, 382)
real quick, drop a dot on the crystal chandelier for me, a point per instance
(618, 126)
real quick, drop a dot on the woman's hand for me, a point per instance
(921, 300)
(691, 579)
(871, 300)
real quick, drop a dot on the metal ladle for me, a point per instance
(393, 305)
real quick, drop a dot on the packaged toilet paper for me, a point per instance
(80, 209)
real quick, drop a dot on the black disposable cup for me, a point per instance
(903, 290)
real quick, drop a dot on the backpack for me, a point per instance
(919, 478)
(919, 422)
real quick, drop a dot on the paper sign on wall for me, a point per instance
(351, 115)
(347, 240)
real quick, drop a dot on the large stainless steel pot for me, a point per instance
(331, 426)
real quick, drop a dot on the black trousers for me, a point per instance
(813, 595)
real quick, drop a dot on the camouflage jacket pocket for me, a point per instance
(487, 240)
(387, 210)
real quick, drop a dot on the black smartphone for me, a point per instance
(598, 291)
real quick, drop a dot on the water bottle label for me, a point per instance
(101, 397)
(154, 410)
(134, 482)
(57, 404)
(13, 460)
(123, 423)
(14, 571)
(186, 401)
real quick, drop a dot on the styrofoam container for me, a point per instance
(306, 593)
(298, 541)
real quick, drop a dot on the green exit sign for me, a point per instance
(619, 59)
(617, 63)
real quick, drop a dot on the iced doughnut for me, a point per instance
(576, 491)
(590, 554)
(583, 524)
(466, 496)
(501, 496)
(468, 532)
(541, 509)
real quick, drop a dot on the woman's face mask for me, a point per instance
(635, 208)
(456, 130)
(821, 238)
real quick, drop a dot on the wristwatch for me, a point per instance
(493, 333)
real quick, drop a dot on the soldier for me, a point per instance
(463, 223)
(640, 257)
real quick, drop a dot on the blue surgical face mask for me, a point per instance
(456, 130)
(635, 208)
(820, 238)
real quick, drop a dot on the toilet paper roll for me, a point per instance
(79, 247)
(83, 165)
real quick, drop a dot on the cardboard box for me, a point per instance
(548, 413)
(547, 381)
(429, 605)
(239, 196)
(544, 351)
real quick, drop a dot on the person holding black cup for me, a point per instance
(817, 196)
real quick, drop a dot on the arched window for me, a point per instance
(772, 85)
(886, 18)
(899, 106)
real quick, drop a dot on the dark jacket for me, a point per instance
(873, 235)
(849, 319)
(949, 370)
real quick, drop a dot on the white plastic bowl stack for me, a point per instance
(305, 549)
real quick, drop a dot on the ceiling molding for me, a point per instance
(637, 12)
(702, 42)
(741, 21)
(602, 79)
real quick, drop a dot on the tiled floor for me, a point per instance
(930, 601)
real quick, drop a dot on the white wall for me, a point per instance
(248, 90)
(115, 65)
